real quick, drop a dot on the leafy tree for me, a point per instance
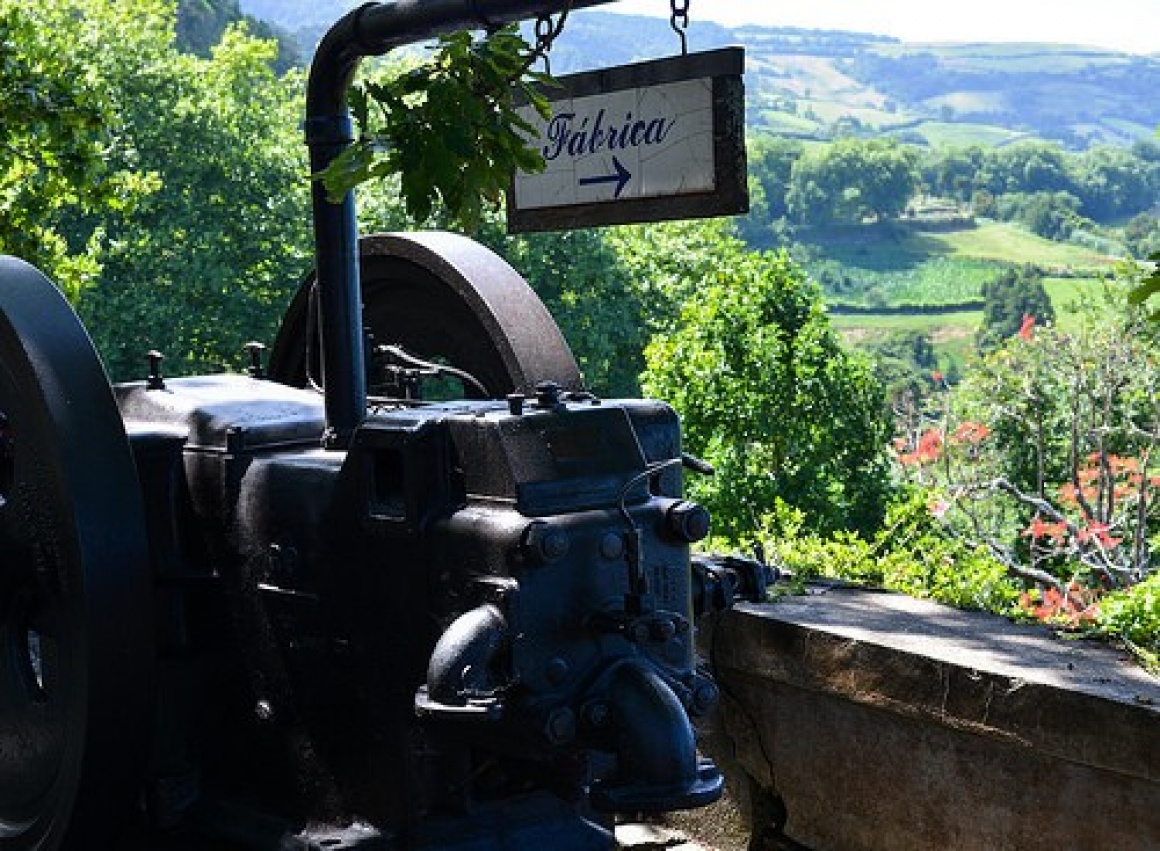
(791, 421)
(1112, 182)
(770, 163)
(207, 261)
(583, 282)
(63, 151)
(850, 180)
(1060, 475)
(906, 365)
(1010, 302)
(1032, 166)
(1052, 215)
(952, 172)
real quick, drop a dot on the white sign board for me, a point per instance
(628, 144)
(637, 143)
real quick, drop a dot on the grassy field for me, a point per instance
(944, 268)
(953, 334)
(963, 133)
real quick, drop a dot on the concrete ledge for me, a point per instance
(877, 721)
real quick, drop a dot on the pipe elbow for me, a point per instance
(658, 768)
(463, 664)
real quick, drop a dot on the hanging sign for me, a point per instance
(639, 143)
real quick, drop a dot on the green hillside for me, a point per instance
(818, 84)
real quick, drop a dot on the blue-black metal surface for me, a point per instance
(447, 627)
(76, 652)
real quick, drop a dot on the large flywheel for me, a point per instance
(75, 623)
(447, 299)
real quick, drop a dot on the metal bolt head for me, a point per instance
(597, 714)
(545, 543)
(689, 521)
(612, 546)
(705, 696)
(255, 349)
(560, 726)
(548, 394)
(154, 381)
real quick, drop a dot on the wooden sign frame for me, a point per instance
(728, 193)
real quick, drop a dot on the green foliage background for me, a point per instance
(157, 171)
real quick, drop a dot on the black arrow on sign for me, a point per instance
(621, 178)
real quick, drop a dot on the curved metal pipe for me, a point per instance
(658, 769)
(461, 664)
(370, 30)
(657, 745)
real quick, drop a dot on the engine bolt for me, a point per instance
(544, 543)
(612, 546)
(560, 728)
(154, 381)
(688, 521)
(255, 349)
(548, 395)
(597, 715)
(704, 696)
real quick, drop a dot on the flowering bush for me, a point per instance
(1046, 455)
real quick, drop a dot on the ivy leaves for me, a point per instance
(448, 127)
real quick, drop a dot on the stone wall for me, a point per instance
(856, 720)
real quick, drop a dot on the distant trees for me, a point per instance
(771, 163)
(105, 110)
(201, 23)
(1052, 215)
(210, 259)
(1105, 182)
(851, 180)
(1013, 303)
(854, 181)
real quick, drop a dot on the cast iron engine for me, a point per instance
(306, 608)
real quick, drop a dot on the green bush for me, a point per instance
(912, 553)
(1133, 616)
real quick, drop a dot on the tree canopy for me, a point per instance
(772, 400)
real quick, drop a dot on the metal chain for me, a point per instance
(680, 22)
(546, 33)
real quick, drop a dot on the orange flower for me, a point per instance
(1040, 528)
(1096, 531)
(969, 431)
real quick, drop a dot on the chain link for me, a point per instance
(680, 22)
(546, 33)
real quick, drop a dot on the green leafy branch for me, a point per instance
(1148, 288)
(449, 127)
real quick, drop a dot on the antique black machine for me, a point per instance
(301, 608)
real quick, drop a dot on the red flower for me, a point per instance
(936, 377)
(1096, 531)
(970, 432)
(1025, 328)
(1040, 528)
(929, 445)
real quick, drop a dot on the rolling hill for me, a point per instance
(818, 84)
